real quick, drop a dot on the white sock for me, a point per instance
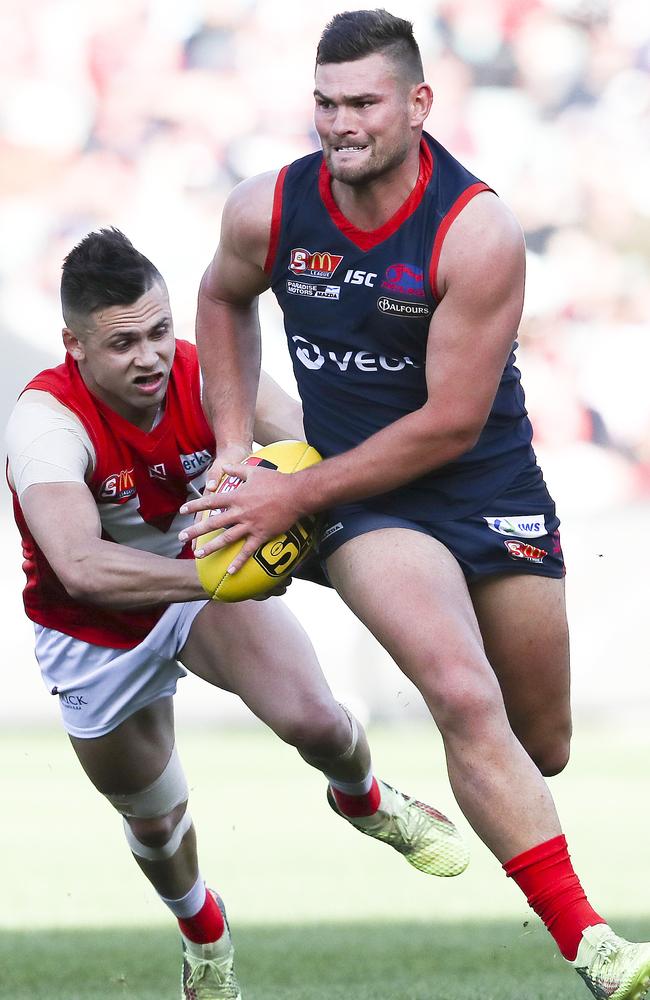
(189, 904)
(352, 787)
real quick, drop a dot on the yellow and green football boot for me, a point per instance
(425, 837)
(611, 967)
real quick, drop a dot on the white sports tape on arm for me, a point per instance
(159, 798)
(46, 443)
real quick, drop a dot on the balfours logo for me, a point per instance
(321, 264)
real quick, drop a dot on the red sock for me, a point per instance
(546, 877)
(205, 926)
(358, 805)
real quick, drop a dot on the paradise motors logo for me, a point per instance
(321, 264)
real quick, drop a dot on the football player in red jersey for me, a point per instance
(404, 361)
(103, 450)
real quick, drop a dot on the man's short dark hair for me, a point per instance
(358, 33)
(104, 269)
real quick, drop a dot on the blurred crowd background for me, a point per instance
(144, 113)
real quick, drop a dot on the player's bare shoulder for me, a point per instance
(247, 216)
(485, 241)
(236, 273)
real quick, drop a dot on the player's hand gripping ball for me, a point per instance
(274, 561)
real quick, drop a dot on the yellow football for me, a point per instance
(276, 559)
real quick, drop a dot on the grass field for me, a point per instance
(318, 911)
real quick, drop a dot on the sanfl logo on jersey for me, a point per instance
(321, 264)
(118, 487)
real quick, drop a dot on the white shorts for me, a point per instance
(100, 687)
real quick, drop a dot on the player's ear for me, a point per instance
(421, 99)
(73, 345)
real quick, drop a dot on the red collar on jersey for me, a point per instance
(365, 239)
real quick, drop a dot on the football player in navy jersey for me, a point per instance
(401, 279)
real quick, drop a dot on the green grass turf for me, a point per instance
(356, 961)
(317, 910)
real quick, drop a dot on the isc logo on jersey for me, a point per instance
(321, 264)
(522, 525)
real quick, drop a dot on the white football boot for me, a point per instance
(611, 967)
(208, 969)
(427, 839)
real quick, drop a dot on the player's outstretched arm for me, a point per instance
(64, 521)
(227, 325)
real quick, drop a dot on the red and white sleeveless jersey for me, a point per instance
(139, 481)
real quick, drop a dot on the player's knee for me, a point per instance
(546, 738)
(465, 700)
(156, 831)
(552, 758)
(156, 818)
(319, 730)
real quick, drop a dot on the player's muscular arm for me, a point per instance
(64, 521)
(227, 326)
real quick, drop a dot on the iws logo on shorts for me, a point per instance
(407, 279)
(117, 487)
(524, 550)
(313, 289)
(523, 525)
(321, 264)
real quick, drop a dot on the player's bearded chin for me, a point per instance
(374, 166)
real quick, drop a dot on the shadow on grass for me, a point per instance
(359, 961)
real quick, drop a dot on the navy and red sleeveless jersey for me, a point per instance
(357, 307)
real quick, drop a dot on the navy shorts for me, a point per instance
(517, 532)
